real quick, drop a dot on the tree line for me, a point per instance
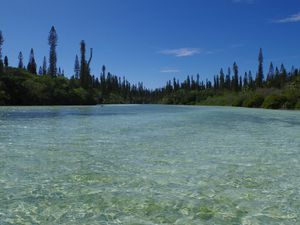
(47, 84)
(276, 78)
(279, 89)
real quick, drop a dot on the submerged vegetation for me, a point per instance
(48, 85)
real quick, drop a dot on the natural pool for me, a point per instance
(149, 164)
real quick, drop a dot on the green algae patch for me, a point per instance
(206, 213)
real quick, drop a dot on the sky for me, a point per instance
(153, 41)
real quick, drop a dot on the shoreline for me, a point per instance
(156, 104)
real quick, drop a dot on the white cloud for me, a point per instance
(184, 52)
(169, 70)
(290, 19)
(181, 52)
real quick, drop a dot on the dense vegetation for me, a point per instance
(49, 86)
(281, 89)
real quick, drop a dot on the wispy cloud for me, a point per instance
(290, 19)
(184, 52)
(181, 52)
(169, 70)
(244, 1)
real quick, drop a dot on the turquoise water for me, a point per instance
(149, 165)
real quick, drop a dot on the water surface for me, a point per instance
(146, 164)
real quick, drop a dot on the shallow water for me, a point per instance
(146, 164)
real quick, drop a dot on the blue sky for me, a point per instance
(154, 40)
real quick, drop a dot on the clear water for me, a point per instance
(149, 165)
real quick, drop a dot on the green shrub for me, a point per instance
(253, 101)
(274, 102)
(238, 102)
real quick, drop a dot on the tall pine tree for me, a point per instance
(83, 71)
(31, 67)
(85, 77)
(1, 44)
(20, 64)
(283, 75)
(44, 67)
(270, 75)
(260, 73)
(76, 68)
(52, 41)
(228, 79)
(235, 79)
(246, 80)
(222, 79)
(6, 61)
(250, 80)
(40, 71)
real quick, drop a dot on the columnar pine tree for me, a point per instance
(76, 68)
(40, 71)
(83, 71)
(85, 77)
(235, 80)
(197, 82)
(188, 82)
(103, 71)
(222, 79)
(20, 64)
(240, 83)
(260, 74)
(44, 68)
(246, 80)
(228, 79)
(6, 61)
(52, 41)
(1, 44)
(103, 80)
(31, 67)
(250, 79)
(283, 75)
(270, 75)
(215, 82)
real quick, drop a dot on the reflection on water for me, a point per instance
(149, 165)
